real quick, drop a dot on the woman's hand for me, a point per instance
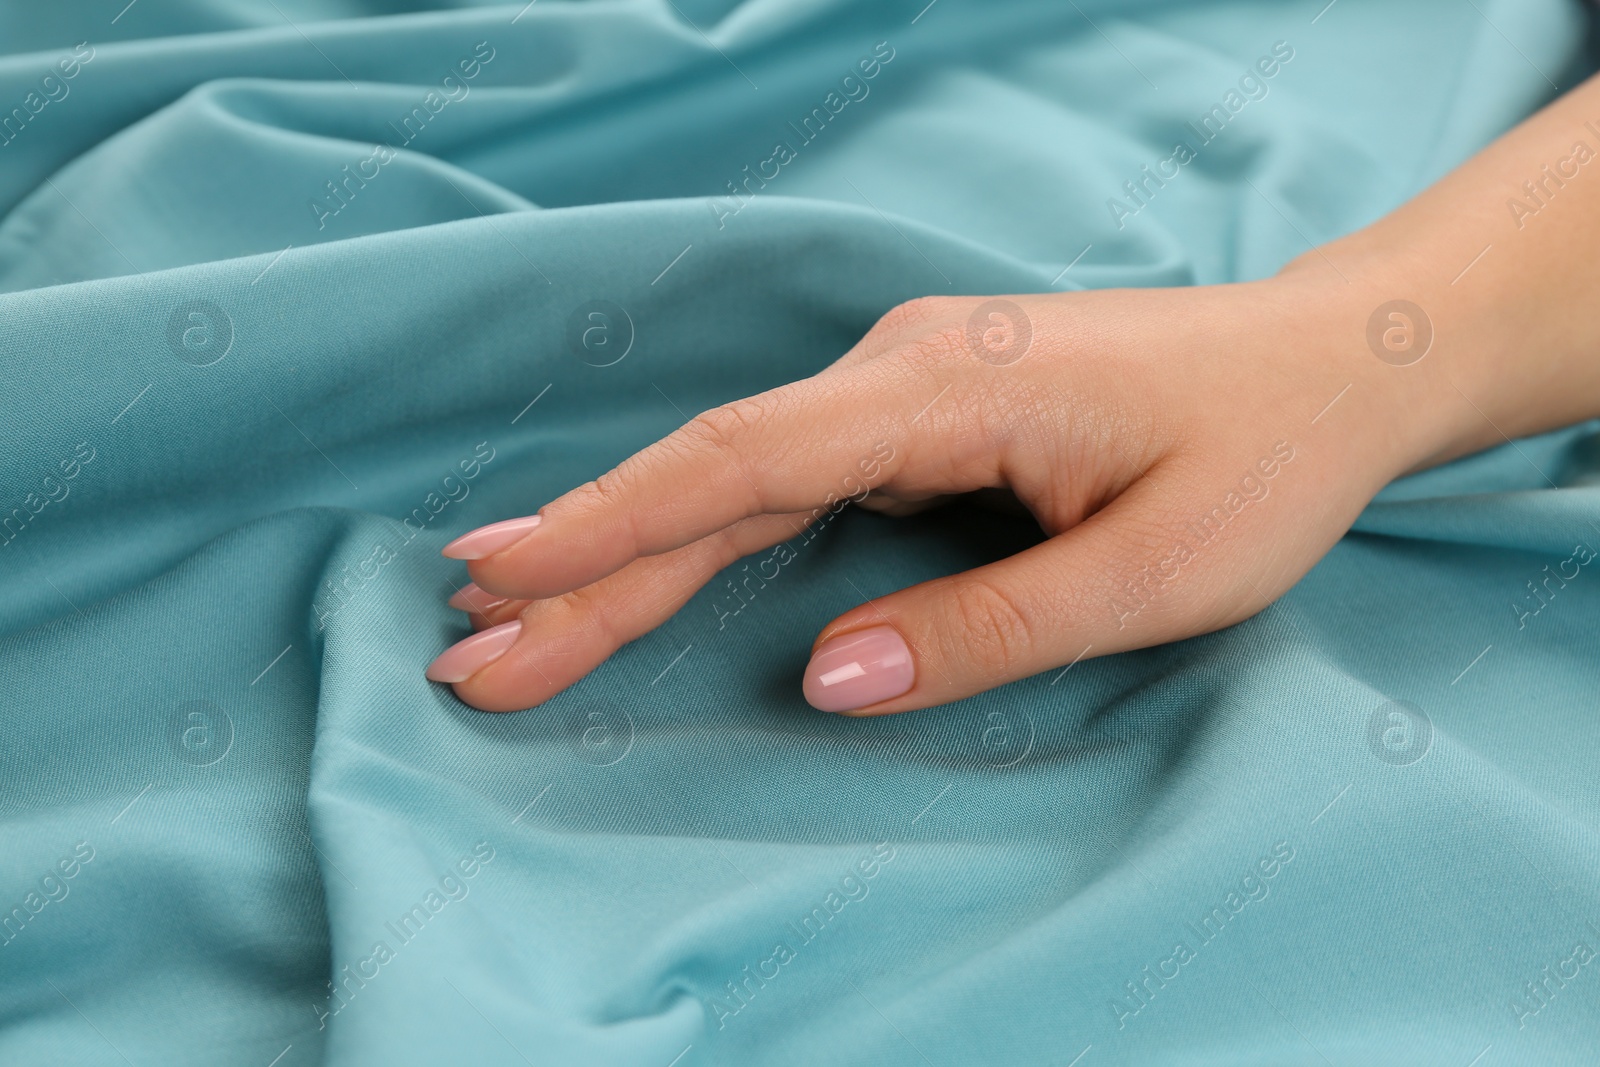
(1190, 453)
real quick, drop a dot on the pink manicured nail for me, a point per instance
(471, 598)
(487, 540)
(858, 669)
(465, 658)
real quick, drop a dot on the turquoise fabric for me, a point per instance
(243, 411)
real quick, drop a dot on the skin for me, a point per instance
(1131, 415)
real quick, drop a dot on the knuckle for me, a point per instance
(725, 428)
(591, 612)
(729, 431)
(580, 614)
(911, 313)
(729, 545)
(991, 630)
(608, 493)
(607, 504)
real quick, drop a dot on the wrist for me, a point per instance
(1375, 331)
(1463, 349)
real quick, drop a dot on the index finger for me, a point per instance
(813, 445)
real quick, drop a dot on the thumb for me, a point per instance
(1086, 592)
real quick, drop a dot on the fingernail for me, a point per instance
(487, 540)
(471, 598)
(465, 658)
(858, 669)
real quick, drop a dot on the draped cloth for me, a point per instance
(293, 293)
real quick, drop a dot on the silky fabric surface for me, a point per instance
(247, 398)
